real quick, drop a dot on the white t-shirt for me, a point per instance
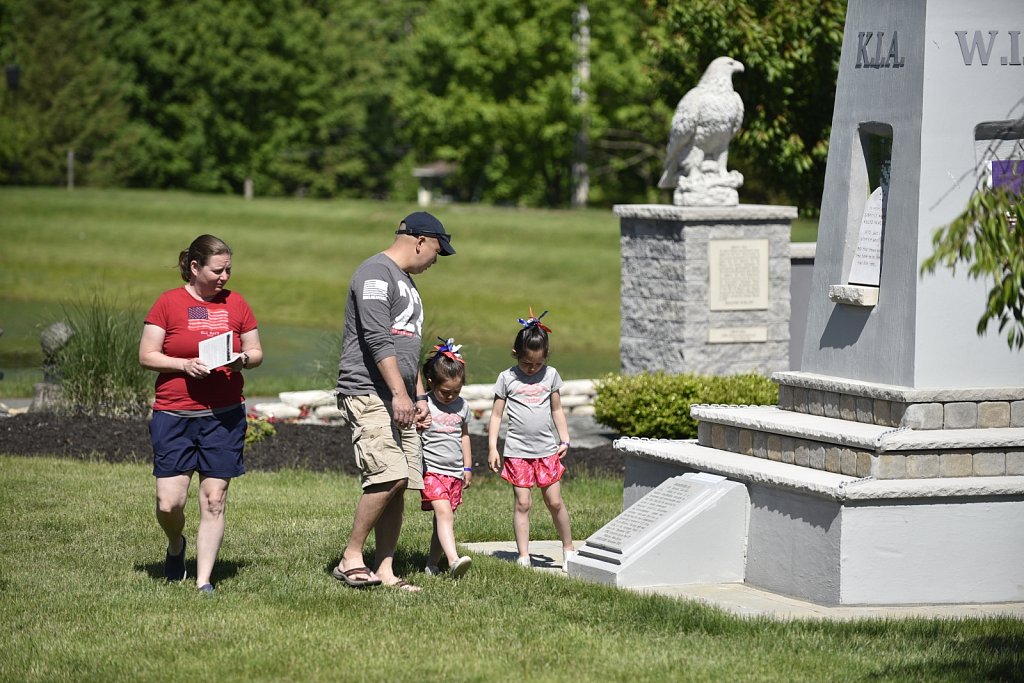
(531, 433)
(442, 441)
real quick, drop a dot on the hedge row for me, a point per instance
(657, 405)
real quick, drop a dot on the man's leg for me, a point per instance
(386, 532)
(369, 510)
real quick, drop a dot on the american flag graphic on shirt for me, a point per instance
(202, 318)
(375, 290)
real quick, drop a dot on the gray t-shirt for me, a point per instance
(530, 433)
(442, 441)
(383, 318)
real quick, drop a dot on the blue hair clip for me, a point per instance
(535, 321)
(449, 348)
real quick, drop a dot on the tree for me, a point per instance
(790, 49)
(489, 86)
(294, 95)
(988, 237)
(69, 95)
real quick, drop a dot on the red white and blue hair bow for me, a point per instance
(449, 348)
(534, 321)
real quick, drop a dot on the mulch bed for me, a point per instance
(319, 448)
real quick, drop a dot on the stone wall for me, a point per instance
(320, 406)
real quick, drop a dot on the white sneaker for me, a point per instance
(568, 555)
(461, 566)
(524, 561)
(432, 570)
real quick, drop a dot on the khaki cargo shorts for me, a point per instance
(383, 452)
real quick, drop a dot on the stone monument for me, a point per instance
(705, 281)
(47, 394)
(705, 122)
(892, 469)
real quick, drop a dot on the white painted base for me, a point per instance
(839, 540)
(701, 543)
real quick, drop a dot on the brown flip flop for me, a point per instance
(404, 585)
(346, 576)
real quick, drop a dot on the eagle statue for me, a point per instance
(705, 121)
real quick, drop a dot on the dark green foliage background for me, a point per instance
(344, 98)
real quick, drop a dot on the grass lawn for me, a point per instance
(293, 259)
(81, 599)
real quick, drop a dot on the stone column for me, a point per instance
(705, 289)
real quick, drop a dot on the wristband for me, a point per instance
(467, 469)
(421, 397)
(564, 443)
(245, 359)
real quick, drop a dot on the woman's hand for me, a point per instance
(195, 368)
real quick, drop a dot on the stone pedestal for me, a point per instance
(705, 289)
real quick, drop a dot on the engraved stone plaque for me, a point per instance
(737, 335)
(644, 518)
(738, 275)
(867, 260)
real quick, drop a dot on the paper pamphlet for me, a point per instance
(216, 351)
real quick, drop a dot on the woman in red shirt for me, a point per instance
(198, 420)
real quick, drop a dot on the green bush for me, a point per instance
(99, 366)
(657, 405)
(259, 429)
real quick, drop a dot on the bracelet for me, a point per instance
(467, 469)
(245, 359)
(564, 443)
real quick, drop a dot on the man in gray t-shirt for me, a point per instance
(377, 381)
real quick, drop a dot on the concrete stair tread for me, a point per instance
(773, 420)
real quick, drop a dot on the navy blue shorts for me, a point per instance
(211, 444)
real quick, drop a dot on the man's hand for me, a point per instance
(403, 411)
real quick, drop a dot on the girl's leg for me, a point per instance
(213, 495)
(171, 495)
(444, 531)
(435, 547)
(521, 519)
(559, 514)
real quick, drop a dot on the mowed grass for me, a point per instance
(293, 260)
(82, 599)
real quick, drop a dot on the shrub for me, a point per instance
(657, 405)
(259, 429)
(99, 367)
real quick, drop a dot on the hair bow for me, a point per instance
(449, 348)
(535, 321)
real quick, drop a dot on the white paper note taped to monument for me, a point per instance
(646, 517)
(867, 260)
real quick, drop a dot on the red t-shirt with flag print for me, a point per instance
(186, 322)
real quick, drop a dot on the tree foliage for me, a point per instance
(790, 49)
(345, 97)
(988, 238)
(69, 94)
(490, 86)
(280, 92)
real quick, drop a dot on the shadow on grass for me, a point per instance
(222, 570)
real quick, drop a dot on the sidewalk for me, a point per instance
(746, 601)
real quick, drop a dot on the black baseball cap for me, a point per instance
(422, 223)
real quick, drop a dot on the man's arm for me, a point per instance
(403, 410)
